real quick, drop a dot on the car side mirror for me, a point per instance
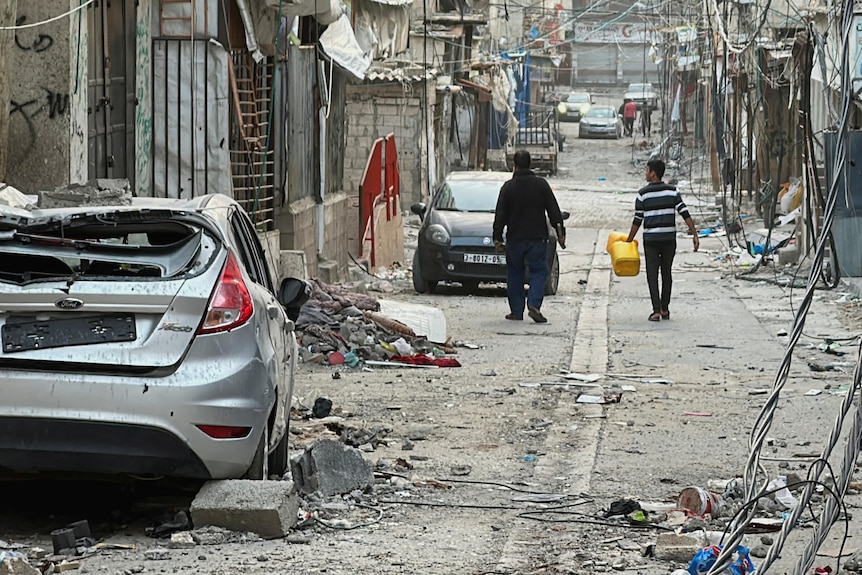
(292, 294)
(566, 215)
(419, 209)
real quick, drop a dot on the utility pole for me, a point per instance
(8, 14)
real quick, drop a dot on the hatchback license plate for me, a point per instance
(29, 335)
(485, 259)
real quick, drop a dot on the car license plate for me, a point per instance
(29, 335)
(499, 259)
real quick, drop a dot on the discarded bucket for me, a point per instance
(699, 501)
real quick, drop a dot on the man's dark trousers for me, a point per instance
(520, 256)
(659, 256)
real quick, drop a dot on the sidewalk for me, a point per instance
(721, 349)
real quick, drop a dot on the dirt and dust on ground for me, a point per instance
(552, 448)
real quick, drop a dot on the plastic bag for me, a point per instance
(704, 559)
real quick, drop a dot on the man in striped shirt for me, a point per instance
(656, 207)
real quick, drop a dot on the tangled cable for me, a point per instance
(764, 420)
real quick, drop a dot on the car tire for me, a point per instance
(279, 459)
(553, 281)
(255, 470)
(420, 284)
(471, 285)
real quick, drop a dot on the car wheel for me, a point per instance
(553, 281)
(420, 284)
(256, 469)
(279, 459)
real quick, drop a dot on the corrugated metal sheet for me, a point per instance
(403, 75)
(336, 133)
(301, 138)
(190, 118)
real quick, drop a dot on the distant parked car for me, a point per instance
(574, 106)
(455, 239)
(144, 339)
(601, 121)
(641, 94)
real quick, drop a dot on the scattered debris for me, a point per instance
(328, 467)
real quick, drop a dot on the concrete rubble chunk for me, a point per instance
(17, 566)
(331, 468)
(100, 192)
(678, 548)
(181, 540)
(267, 508)
(157, 554)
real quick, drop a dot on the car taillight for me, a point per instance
(230, 305)
(224, 431)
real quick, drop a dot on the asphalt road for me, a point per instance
(527, 470)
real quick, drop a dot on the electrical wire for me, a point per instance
(49, 20)
(763, 423)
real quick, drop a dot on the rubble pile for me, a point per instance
(339, 326)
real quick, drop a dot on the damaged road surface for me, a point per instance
(496, 466)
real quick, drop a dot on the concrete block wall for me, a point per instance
(297, 225)
(336, 221)
(373, 112)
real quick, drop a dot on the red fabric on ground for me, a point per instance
(421, 359)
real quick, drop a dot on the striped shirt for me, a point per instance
(655, 208)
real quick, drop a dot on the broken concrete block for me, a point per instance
(788, 255)
(181, 540)
(17, 566)
(678, 548)
(101, 192)
(66, 566)
(331, 468)
(267, 508)
(157, 554)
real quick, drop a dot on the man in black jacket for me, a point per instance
(522, 206)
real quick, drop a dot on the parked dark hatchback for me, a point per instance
(455, 239)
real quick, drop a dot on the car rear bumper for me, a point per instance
(43, 444)
(100, 423)
(598, 131)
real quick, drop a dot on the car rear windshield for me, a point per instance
(103, 248)
(468, 196)
(601, 113)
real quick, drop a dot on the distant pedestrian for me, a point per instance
(654, 208)
(630, 112)
(646, 119)
(524, 206)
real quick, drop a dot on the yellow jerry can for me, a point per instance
(615, 237)
(625, 258)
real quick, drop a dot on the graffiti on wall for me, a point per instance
(38, 43)
(33, 106)
(50, 105)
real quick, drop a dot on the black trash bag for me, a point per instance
(322, 408)
(622, 507)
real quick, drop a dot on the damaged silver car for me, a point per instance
(145, 339)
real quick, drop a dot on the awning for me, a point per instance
(339, 43)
